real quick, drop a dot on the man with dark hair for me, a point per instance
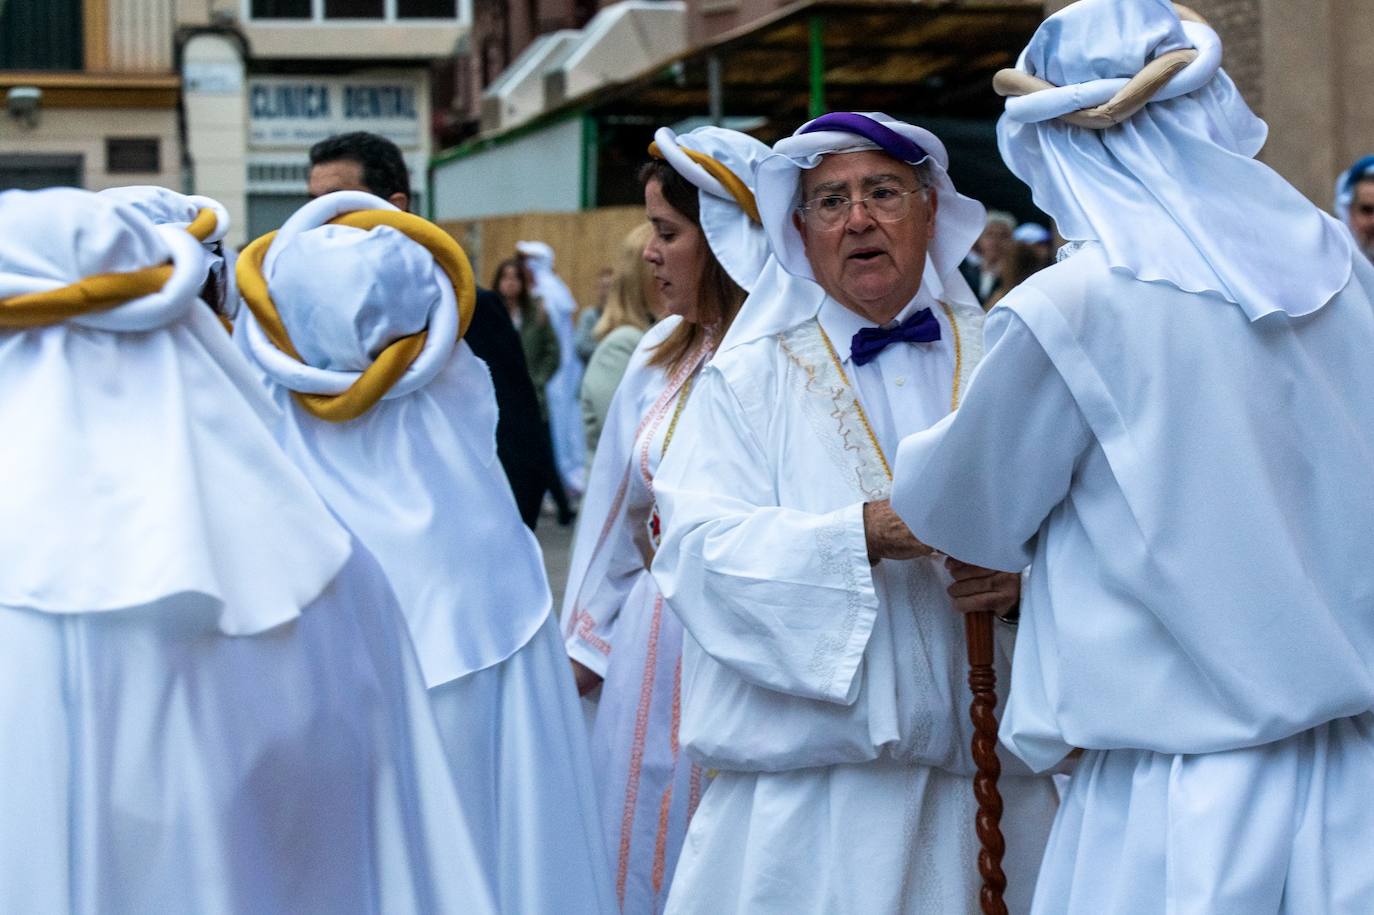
(363, 161)
(360, 161)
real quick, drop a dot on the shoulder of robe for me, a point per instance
(753, 373)
(1077, 287)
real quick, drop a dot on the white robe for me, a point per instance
(564, 388)
(617, 624)
(417, 478)
(830, 694)
(1192, 490)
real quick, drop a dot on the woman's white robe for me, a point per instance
(617, 624)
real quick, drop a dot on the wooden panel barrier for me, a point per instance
(583, 243)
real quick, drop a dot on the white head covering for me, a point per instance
(345, 318)
(1361, 169)
(736, 239)
(788, 293)
(1172, 193)
(416, 476)
(548, 285)
(164, 207)
(1031, 233)
(139, 471)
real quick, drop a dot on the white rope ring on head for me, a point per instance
(442, 324)
(1049, 102)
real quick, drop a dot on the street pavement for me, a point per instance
(556, 542)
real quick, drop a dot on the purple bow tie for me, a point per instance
(921, 327)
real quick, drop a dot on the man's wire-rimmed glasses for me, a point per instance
(885, 203)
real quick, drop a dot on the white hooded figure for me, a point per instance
(823, 669)
(208, 222)
(616, 624)
(210, 703)
(565, 408)
(1174, 427)
(416, 477)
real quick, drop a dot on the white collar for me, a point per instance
(841, 324)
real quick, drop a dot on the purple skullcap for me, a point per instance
(888, 140)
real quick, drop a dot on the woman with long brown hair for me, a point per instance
(706, 249)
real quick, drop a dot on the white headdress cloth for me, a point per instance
(739, 243)
(416, 477)
(788, 293)
(344, 316)
(140, 471)
(1173, 194)
(166, 207)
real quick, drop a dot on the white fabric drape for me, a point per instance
(152, 762)
(117, 504)
(417, 479)
(1171, 173)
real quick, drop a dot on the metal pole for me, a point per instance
(714, 90)
(816, 29)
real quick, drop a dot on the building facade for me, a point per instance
(90, 92)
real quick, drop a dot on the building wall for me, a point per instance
(83, 131)
(501, 29)
(540, 171)
(124, 89)
(707, 19)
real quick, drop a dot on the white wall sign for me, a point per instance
(299, 111)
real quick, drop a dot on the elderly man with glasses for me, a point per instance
(823, 663)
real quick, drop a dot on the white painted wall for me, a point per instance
(538, 172)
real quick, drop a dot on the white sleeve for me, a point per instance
(783, 598)
(978, 484)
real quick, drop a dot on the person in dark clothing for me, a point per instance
(521, 442)
(363, 161)
(539, 342)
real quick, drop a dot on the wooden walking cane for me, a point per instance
(982, 680)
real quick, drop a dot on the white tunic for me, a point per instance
(1193, 492)
(829, 694)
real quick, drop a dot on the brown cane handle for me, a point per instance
(982, 680)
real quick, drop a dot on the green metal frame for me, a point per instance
(816, 34)
(591, 156)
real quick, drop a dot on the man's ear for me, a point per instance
(400, 200)
(800, 225)
(934, 200)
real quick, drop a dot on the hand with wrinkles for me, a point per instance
(977, 589)
(887, 535)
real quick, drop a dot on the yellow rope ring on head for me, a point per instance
(91, 294)
(393, 362)
(731, 182)
(203, 225)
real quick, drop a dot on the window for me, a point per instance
(354, 9)
(41, 35)
(133, 155)
(364, 10)
(281, 9)
(33, 173)
(425, 9)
